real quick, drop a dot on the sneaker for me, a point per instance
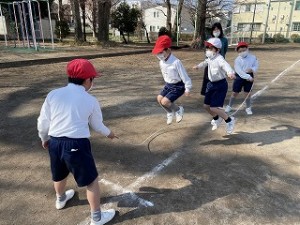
(170, 118)
(179, 114)
(106, 216)
(216, 123)
(69, 194)
(248, 111)
(228, 109)
(230, 126)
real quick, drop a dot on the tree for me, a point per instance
(104, 7)
(169, 14)
(77, 21)
(179, 8)
(125, 19)
(83, 11)
(204, 10)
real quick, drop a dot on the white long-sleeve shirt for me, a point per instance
(218, 68)
(174, 72)
(241, 65)
(68, 112)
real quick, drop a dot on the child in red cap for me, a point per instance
(63, 126)
(245, 66)
(177, 81)
(216, 90)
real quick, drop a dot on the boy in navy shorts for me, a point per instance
(245, 65)
(63, 126)
(177, 81)
(216, 89)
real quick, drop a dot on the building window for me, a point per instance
(256, 26)
(241, 27)
(157, 14)
(297, 7)
(248, 8)
(248, 26)
(154, 14)
(157, 27)
(296, 26)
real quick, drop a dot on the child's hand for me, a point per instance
(251, 79)
(112, 135)
(187, 93)
(231, 76)
(195, 67)
(249, 70)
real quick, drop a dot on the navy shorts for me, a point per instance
(173, 91)
(240, 83)
(215, 93)
(72, 155)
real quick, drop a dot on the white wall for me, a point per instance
(155, 18)
(3, 30)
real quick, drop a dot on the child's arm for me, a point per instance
(255, 66)
(184, 76)
(239, 70)
(200, 65)
(227, 68)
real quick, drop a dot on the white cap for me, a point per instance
(216, 42)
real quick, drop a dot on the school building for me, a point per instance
(256, 17)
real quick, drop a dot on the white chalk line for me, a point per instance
(156, 170)
(119, 189)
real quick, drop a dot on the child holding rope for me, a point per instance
(245, 65)
(175, 76)
(217, 86)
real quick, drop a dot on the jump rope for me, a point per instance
(161, 130)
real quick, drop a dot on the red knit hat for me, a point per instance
(241, 44)
(162, 43)
(81, 68)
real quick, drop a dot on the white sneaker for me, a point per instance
(216, 123)
(228, 109)
(170, 118)
(248, 111)
(179, 114)
(106, 216)
(69, 194)
(230, 125)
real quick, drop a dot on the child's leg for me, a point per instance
(232, 98)
(219, 111)
(164, 102)
(248, 99)
(207, 108)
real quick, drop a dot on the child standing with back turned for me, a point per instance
(217, 86)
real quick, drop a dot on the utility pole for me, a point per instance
(290, 19)
(231, 29)
(253, 21)
(177, 22)
(266, 23)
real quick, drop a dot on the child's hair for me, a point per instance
(219, 26)
(164, 31)
(215, 48)
(77, 81)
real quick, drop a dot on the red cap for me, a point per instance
(162, 43)
(81, 68)
(242, 44)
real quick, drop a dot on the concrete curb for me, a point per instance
(33, 62)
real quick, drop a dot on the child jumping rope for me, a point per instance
(217, 86)
(177, 80)
(246, 66)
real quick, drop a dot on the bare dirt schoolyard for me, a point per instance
(157, 174)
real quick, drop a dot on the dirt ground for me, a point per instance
(157, 174)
